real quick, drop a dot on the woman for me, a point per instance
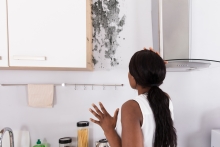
(146, 120)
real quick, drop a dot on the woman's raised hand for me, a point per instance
(105, 120)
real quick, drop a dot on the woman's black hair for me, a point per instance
(149, 70)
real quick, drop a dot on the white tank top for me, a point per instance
(148, 125)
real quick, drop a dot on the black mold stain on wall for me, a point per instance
(94, 60)
(107, 26)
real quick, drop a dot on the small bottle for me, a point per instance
(38, 144)
(83, 134)
(45, 143)
(64, 142)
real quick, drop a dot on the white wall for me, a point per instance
(196, 100)
(195, 95)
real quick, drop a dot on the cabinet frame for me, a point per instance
(89, 46)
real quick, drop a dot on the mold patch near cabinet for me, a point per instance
(108, 23)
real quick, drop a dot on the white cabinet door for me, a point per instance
(49, 33)
(3, 35)
(205, 29)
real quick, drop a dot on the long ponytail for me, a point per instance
(165, 133)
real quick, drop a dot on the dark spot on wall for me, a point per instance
(114, 62)
(94, 61)
(122, 21)
(95, 48)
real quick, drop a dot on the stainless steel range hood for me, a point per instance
(174, 35)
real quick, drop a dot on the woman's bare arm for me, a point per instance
(113, 138)
(131, 125)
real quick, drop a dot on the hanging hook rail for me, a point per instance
(68, 84)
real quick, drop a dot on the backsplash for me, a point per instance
(195, 98)
(70, 105)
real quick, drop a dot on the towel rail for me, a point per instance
(69, 84)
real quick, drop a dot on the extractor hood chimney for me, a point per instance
(185, 36)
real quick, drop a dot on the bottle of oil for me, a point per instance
(38, 144)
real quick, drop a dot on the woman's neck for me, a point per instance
(142, 90)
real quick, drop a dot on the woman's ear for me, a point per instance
(132, 81)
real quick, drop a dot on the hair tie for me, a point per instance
(155, 85)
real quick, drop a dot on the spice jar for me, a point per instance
(65, 142)
(83, 134)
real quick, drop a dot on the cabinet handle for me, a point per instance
(37, 58)
(0, 58)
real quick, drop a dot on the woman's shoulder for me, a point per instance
(134, 102)
(131, 107)
(129, 104)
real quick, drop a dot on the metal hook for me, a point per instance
(103, 87)
(92, 87)
(84, 87)
(115, 87)
(75, 86)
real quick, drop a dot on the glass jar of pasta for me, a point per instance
(83, 134)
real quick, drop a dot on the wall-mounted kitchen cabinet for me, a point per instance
(3, 35)
(50, 34)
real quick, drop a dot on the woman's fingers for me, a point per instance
(103, 108)
(97, 110)
(95, 114)
(150, 48)
(95, 121)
